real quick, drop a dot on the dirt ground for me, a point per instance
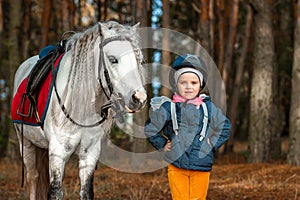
(231, 178)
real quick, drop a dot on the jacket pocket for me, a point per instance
(205, 149)
(177, 150)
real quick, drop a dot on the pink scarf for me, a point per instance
(196, 101)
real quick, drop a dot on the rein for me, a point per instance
(111, 96)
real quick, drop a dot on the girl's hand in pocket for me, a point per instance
(168, 146)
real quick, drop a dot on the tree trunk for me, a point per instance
(283, 29)
(166, 57)
(140, 144)
(261, 102)
(79, 14)
(235, 94)
(14, 25)
(26, 27)
(45, 25)
(294, 123)
(204, 25)
(220, 13)
(66, 12)
(1, 27)
(1, 17)
(66, 15)
(3, 107)
(99, 12)
(105, 9)
(14, 60)
(230, 42)
(211, 28)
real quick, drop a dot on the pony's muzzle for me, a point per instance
(138, 100)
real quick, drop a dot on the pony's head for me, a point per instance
(107, 64)
(120, 65)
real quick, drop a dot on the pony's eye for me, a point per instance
(113, 59)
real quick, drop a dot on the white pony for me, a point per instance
(99, 76)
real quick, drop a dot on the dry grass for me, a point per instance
(255, 181)
(231, 178)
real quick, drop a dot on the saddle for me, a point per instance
(41, 69)
(36, 78)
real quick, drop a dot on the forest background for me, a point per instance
(255, 45)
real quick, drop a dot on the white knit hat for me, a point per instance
(183, 70)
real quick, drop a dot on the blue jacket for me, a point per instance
(188, 151)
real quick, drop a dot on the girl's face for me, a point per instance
(188, 85)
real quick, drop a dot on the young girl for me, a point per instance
(189, 128)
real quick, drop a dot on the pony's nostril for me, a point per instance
(139, 97)
(135, 98)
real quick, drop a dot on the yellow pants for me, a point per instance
(187, 184)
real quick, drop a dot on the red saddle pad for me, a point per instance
(21, 104)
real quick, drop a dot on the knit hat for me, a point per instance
(188, 63)
(183, 70)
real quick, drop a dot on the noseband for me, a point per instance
(113, 98)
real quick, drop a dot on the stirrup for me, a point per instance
(21, 106)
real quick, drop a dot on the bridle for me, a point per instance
(102, 61)
(114, 100)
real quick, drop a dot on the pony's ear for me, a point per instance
(137, 25)
(102, 28)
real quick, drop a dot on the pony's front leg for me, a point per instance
(57, 160)
(87, 164)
